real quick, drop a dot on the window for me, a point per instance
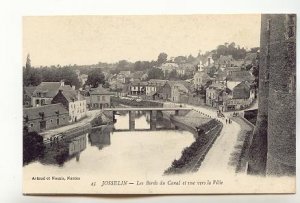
(51, 120)
(98, 98)
(31, 125)
(103, 98)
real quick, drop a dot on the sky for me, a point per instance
(83, 40)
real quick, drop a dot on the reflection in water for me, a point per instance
(100, 137)
(60, 152)
(107, 153)
(142, 120)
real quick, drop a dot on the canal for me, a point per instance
(113, 151)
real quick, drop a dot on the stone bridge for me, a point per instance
(153, 113)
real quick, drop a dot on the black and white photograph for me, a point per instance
(159, 104)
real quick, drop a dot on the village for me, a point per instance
(223, 83)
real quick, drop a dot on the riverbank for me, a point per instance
(94, 118)
(192, 156)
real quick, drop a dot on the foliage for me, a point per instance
(162, 58)
(33, 146)
(230, 49)
(172, 75)
(95, 78)
(155, 73)
(143, 65)
(34, 76)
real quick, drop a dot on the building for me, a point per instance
(180, 91)
(213, 94)
(27, 95)
(73, 101)
(185, 69)
(239, 75)
(153, 85)
(168, 67)
(45, 117)
(250, 59)
(273, 147)
(162, 92)
(241, 97)
(44, 92)
(225, 61)
(137, 75)
(137, 88)
(200, 79)
(98, 98)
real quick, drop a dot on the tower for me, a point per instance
(273, 147)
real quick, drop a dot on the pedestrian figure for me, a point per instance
(226, 120)
(229, 121)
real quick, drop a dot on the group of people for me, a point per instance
(228, 121)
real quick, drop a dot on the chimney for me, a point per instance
(62, 83)
(73, 87)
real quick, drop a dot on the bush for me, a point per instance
(33, 146)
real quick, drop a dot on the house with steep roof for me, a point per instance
(45, 117)
(225, 61)
(153, 85)
(213, 93)
(242, 96)
(180, 91)
(200, 79)
(44, 92)
(73, 101)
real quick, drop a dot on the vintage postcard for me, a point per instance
(161, 104)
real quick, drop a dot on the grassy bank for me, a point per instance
(192, 156)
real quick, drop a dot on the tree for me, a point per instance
(180, 59)
(28, 62)
(155, 73)
(172, 75)
(33, 146)
(162, 58)
(95, 78)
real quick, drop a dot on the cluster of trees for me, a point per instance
(34, 76)
(95, 78)
(230, 49)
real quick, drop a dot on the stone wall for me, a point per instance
(272, 150)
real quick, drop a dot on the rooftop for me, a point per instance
(48, 111)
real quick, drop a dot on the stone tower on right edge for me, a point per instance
(273, 147)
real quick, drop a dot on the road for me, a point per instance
(90, 116)
(218, 157)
